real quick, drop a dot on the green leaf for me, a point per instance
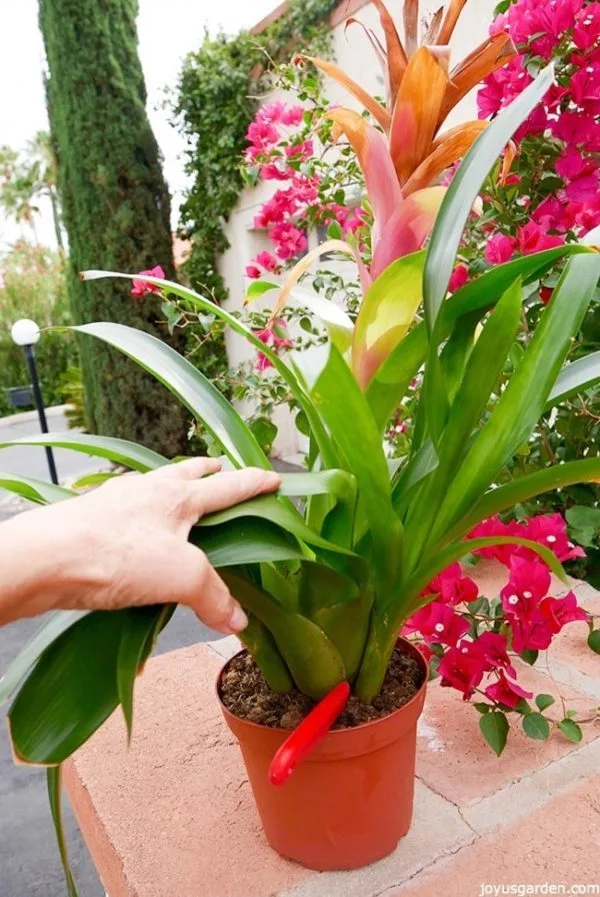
(70, 692)
(258, 287)
(391, 382)
(339, 483)
(482, 707)
(594, 640)
(140, 627)
(584, 524)
(261, 645)
(394, 376)
(269, 508)
(93, 479)
(494, 728)
(53, 781)
(481, 376)
(265, 431)
(38, 491)
(312, 659)
(386, 313)
(544, 701)
(482, 294)
(529, 656)
(57, 623)
(524, 488)
(248, 540)
(346, 412)
(575, 378)
(120, 451)
(464, 189)
(536, 726)
(190, 386)
(522, 403)
(431, 565)
(197, 301)
(571, 730)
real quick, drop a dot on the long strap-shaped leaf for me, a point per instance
(452, 553)
(346, 411)
(523, 488)
(120, 451)
(575, 377)
(190, 386)
(34, 490)
(268, 507)
(463, 191)
(524, 399)
(481, 376)
(53, 780)
(51, 629)
(391, 381)
(197, 301)
(313, 660)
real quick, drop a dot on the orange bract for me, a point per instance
(421, 91)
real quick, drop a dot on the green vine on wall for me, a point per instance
(215, 102)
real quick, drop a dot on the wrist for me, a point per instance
(45, 563)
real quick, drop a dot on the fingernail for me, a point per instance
(238, 620)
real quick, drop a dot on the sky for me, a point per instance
(168, 30)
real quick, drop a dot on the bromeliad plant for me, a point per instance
(329, 587)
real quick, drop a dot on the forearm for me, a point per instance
(43, 563)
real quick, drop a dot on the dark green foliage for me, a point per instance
(34, 287)
(214, 105)
(115, 203)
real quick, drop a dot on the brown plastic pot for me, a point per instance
(351, 800)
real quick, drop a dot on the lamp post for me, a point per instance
(26, 333)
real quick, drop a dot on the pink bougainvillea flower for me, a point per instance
(253, 272)
(492, 648)
(139, 288)
(528, 584)
(300, 151)
(587, 27)
(271, 113)
(288, 239)
(271, 337)
(439, 624)
(577, 129)
(280, 206)
(274, 171)
(584, 88)
(500, 249)
(550, 530)
(460, 277)
(489, 528)
(560, 611)
(262, 134)
(532, 238)
(506, 692)
(267, 261)
(462, 669)
(452, 586)
(292, 115)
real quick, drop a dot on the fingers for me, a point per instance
(223, 490)
(190, 469)
(212, 601)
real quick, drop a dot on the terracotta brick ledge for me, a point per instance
(173, 816)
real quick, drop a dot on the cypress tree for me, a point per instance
(116, 206)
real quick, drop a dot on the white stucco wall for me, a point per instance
(353, 54)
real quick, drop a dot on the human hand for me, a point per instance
(125, 544)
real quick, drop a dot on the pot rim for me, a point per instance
(332, 733)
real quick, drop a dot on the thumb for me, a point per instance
(210, 599)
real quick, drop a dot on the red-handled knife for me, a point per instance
(308, 734)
